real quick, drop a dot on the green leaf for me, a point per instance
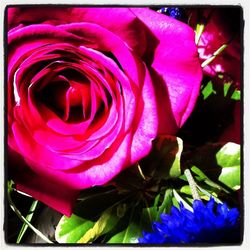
(163, 162)
(208, 90)
(229, 89)
(226, 88)
(186, 190)
(203, 177)
(221, 163)
(236, 95)
(20, 216)
(104, 224)
(229, 155)
(121, 210)
(167, 202)
(70, 230)
(117, 238)
(180, 199)
(173, 146)
(231, 177)
(204, 191)
(86, 206)
(28, 218)
(131, 232)
(147, 216)
(156, 200)
(198, 31)
(122, 237)
(175, 202)
(228, 158)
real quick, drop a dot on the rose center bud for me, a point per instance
(75, 95)
(78, 95)
(73, 100)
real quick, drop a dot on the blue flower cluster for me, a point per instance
(173, 12)
(205, 224)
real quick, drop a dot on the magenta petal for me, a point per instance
(148, 122)
(27, 16)
(88, 175)
(217, 33)
(175, 60)
(33, 151)
(52, 194)
(120, 21)
(55, 195)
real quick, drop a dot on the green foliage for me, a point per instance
(214, 111)
(10, 189)
(166, 204)
(229, 160)
(216, 170)
(212, 160)
(223, 88)
(103, 225)
(164, 160)
(198, 31)
(70, 230)
(208, 90)
(231, 92)
(180, 199)
(236, 95)
(221, 163)
(128, 205)
(201, 177)
(121, 210)
(28, 218)
(131, 232)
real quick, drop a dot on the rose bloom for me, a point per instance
(88, 91)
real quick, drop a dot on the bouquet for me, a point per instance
(123, 125)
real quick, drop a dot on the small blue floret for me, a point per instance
(172, 11)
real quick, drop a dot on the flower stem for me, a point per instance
(28, 218)
(215, 54)
(140, 171)
(198, 32)
(23, 219)
(192, 184)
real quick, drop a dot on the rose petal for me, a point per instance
(146, 129)
(173, 55)
(35, 152)
(49, 192)
(118, 20)
(85, 176)
(52, 194)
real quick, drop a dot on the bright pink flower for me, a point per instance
(220, 30)
(88, 91)
(223, 28)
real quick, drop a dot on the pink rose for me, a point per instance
(88, 91)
